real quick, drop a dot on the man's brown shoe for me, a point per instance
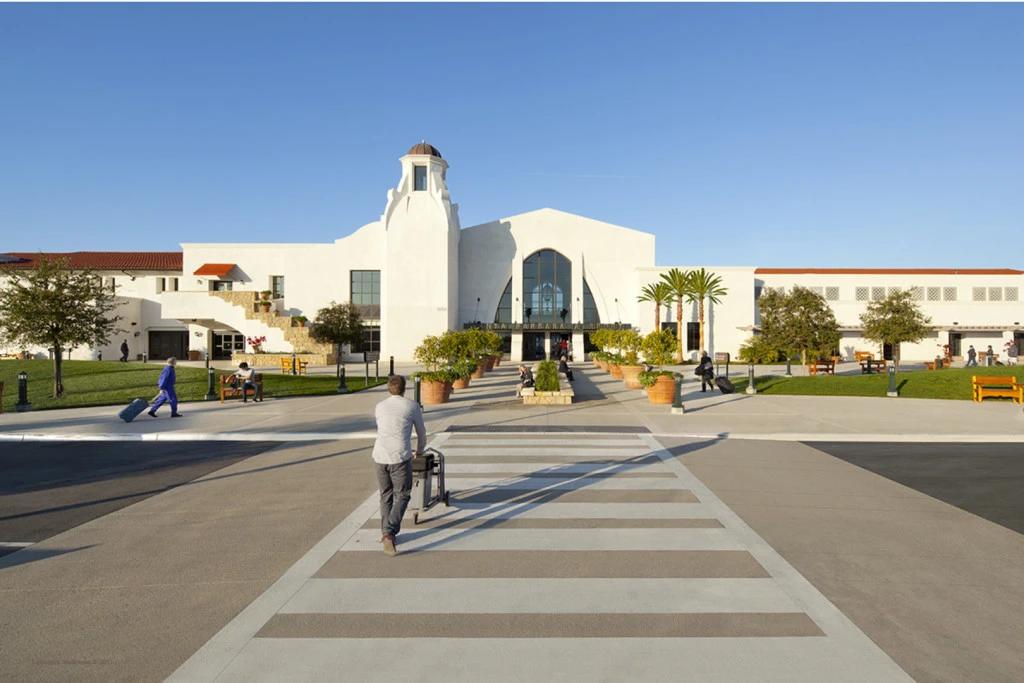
(389, 545)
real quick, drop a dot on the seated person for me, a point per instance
(563, 367)
(247, 377)
(526, 377)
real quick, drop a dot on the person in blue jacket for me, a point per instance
(166, 385)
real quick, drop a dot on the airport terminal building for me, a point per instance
(536, 278)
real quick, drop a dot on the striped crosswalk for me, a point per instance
(561, 558)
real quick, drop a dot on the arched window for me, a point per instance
(504, 312)
(590, 314)
(547, 288)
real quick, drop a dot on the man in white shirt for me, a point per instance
(392, 455)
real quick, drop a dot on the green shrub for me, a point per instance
(547, 376)
(658, 347)
(629, 343)
(446, 375)
(647, 379)
(758, 349)
(463, 368)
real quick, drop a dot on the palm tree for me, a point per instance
(678, 282)
(661, 295)
(704, 285)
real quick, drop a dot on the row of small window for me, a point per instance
(163, 284)
(917, 293)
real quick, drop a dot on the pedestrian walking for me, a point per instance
(990, 356)
(124, 351)
(1012, 352)
(392, 456)
(166, 386)
(972, 357)
(706, 371)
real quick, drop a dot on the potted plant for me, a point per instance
(658, 348)
(462, 370)
(265, 294)
(491, 343)
(629, 342)
(256, 343)
(299, 320)
(436, 380)
(265, 304)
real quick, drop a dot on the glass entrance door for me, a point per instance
(533, 346)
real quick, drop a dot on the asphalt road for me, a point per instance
(47, 488)
(984, 479)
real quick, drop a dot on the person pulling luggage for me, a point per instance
(706, 371)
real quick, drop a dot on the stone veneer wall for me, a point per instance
(272, 360)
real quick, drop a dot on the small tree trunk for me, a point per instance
(700, 320)
(58, 376)
(679, 327)
(896, 356)
(803, 356)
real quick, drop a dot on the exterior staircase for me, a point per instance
(303, 346)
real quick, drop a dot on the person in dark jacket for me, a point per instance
(166, 386)
(706, 371)
(526, 380)
(972, 357)
(124, 351)
(563, 367)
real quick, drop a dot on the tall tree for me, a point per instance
(800, 321)
(893, 320)
(338, 324)
(54, 306)
(705, 285)
(678, 282)
(660, 294)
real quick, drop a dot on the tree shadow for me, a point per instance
(33, 554)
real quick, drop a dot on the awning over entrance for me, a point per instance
(215, 269)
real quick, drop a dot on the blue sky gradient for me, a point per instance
(773, 135)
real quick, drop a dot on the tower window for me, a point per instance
(420, 178)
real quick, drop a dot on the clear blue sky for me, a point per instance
(829, 135)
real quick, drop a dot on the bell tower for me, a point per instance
(420, 282)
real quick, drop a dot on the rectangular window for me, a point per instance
(419, 178)
(757, 292)
(277, 286)
(692, 336)
(371, 339)
(366, 287)
(877, 293)
(831, 294)
(893, 290)
(174, 284)
(110, 283)
(917, 293)
(161, 283)
(1010, 293)
(934, 293)
(949, 293)
(862, 294)
(820, 291)
(220, 285)
(995, 293)
(977, 293)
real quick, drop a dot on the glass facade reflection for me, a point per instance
(547, 288)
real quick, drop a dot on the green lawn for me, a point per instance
(102, 383)
(952, 383)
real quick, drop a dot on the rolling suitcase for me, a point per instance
(724, 385)
(133, 409)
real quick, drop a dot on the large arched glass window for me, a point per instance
(547, 288)
(503, 314)
(590, 315)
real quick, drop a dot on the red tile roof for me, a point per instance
(98, 260)
(215, 269)
(888, 271)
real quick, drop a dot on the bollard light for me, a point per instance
(789, 368)
(416, 390)
(677, 395)
(892, 392)
(209, 383)
(391, 366)
(22, 405)
(751, 389)
(342, 386)
(293, 364)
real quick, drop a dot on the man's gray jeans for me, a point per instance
(395, 484)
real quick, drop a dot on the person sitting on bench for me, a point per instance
(563, 367)
(246, 377)
(526, 377)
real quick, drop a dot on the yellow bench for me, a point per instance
(996, 386)
(300, 365)
(861, 356)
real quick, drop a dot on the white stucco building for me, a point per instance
(535, 277)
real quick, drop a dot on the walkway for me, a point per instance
(596, 557)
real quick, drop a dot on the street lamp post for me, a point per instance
(751, 389)
(22, 405)
(892, 391)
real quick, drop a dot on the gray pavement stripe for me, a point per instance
(585, 459)
(522, 495)
(668, 564)
(449, 474)
(505, 625)
(557, 523)
(547, 429)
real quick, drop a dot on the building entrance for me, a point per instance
(546, 345)
(533, 346)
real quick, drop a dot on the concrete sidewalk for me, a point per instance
(601, 402)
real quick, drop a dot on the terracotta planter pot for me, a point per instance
(663, 390)
(461, 383)
(479, 372)
(488, 363)
(433, 393)
(631, 375)
(497, 361)
(616, 370)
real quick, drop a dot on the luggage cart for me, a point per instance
(424, 469)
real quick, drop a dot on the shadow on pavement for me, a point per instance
(30, 554)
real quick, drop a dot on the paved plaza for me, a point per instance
(752, 538)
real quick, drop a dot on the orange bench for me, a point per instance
(996, 386)
(228, 391)
(827, 367)
(861, 356)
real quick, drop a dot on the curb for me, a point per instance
(191, 436)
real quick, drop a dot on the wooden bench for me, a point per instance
(996, 386)
(870, 365)
(938, 364)
(228, 391)
(300, 366)
(827, 367)
(861, 356)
